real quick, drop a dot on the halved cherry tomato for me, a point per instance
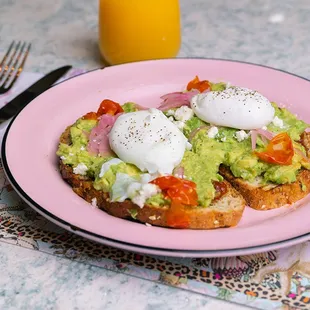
(108, 106)
(280, 150)
(177, 216)
(90, 116)
(182, 193)
(176, 189)
(199, 85)
(167, 182)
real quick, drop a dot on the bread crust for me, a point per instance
(272, 197)
(224, 212)
(264, 198)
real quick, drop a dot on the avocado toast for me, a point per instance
(219, 165)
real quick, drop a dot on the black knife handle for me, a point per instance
(19, 102)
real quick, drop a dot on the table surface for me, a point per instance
(269, 32)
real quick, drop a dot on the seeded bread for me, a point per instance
(223, 212)
(272, 196)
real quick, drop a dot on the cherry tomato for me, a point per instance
(280, 150)
(90, 116)
(167, 182)
(108, 106)
(177, 216)
(199, 85)
(176, 189)
(183, 194)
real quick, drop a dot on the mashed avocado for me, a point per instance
(226, 149)
(129, 107)
(202, 162)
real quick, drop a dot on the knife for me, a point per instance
(19, 102)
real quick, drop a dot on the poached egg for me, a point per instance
(148, 140)
(234, 107)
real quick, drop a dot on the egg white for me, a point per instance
(148, 140)
(234, 107)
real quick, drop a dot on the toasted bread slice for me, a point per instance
(272, 196)
(223, 212)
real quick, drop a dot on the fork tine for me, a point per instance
(12, 69)
(8, 64)
(21, 66)
(6, 56)
(12, 64)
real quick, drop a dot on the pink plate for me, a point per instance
(30, 162)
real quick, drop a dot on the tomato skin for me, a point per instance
(108, 106)
(177, 216)
(280, 150)
(167, 182)
(90, 116)
(182, 193)
(176, 189)
(201, 86)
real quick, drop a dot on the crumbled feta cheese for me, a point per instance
(152, 218)
(170, 112)
(179, 124)
(106, 166)
(264, 127)
(146, 191)
(63, 157)
(183, 113)
(223, 139)
(82, 148)
(146, 178)
(133, 189)
(80, 169)
(94, 202)
(139, 200)
(148, 225)
(278, 122)
(149, 190)
(216, 222)
(241, 135)
(212, 132)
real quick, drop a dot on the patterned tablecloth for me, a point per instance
(272, 280)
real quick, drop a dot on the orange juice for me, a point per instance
(132, 30)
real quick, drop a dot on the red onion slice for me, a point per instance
(195, 131)
(299, 152)
(98, 138)
(179, 172)
(253, 139)
(176, 100)
(265, 133)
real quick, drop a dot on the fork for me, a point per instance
(12, 64)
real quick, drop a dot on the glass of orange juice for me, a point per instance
(133, 30)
